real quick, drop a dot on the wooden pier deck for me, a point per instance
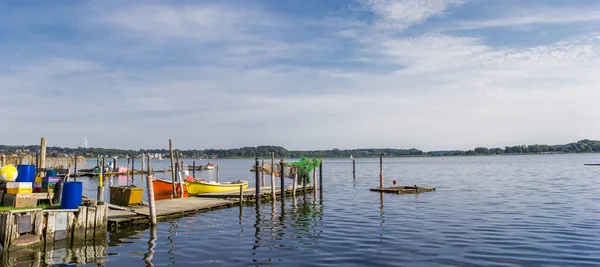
(182, 206)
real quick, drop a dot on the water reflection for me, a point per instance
(60, 254)
(151, 245)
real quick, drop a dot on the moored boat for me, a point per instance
(163, 189)
(209, 166)
(200, 186)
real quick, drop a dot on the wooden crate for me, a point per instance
(19, 201)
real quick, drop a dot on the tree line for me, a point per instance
(583, 146)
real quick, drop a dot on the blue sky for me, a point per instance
(430, 74)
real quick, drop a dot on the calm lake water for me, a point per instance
(487, 211)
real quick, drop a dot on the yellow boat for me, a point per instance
(200, 187)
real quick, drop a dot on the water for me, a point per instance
(487, 211)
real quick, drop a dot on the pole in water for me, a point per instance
(354, 168)
(217, 173)
(257, 190)
(75, 170)
(100, 196)
(172, 168)
(194, 169)
(380, 171)
(282, 175)
(273, 177)
(151, 202)
(321, 177)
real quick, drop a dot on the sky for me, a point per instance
(302, 74)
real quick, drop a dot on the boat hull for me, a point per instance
(201, 187)
(163, 189)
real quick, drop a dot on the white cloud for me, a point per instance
(402, 14)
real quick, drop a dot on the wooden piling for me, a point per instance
(304, 186)
(241, 195)
(143, 159)
(262, 171)
(321, 177)
(314, 181)
(151, 202)
(354, 168)
(100, 196)
(194, 169)
(273, 177)
(43, 156)
(132, 167)
(172, 167)
(75, 170)
(217, 173)
(282, 176)
(380, 171)
(257, 180)
(295, 183)
(181, 175)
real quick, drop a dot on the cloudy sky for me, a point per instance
(303, 74)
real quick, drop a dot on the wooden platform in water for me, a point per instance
(181, 206)
(165, 208)
(404, 189)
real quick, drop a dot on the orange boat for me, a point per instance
(163, 189)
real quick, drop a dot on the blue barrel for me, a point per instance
(51, 173)
(71, 195)
(26, 173)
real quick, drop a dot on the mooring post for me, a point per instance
(295, 182)
(75, 170)
(282, 175)
(315, 181)
(43, 157)
(172, 168)
(114, 167)
(304, 182)
(262, 171)
(132, 168)
(257, 190)
(380, 171)
(217, 173)
(100, 196)
(37, 162)
(354, 168)
(241, 195)
(151, 202)
(180, 174)
(273, 177)
(143, 169)
(321, 177)
(194, 169)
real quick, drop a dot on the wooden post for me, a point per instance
(151, 202)
(295, 183)
(354, 168)
(180, 175)
(172, 167)
(304, 186)
(75, 170)
(100, 197)
(273, 177)
(281, 175)
(37, 162)
(217, 173)
(114, 164)
(43, 156)
(132, 167)
(143, 159)
(127, 173)
(262, 171)
(257, 180)
(194, 169)
(4, 160)
(380, 171)
(321, 177)
(241, 195)
(314, 181)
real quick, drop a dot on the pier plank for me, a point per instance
(183, 205)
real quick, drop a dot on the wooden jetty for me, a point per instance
(181, 206)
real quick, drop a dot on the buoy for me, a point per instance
(8, 173)
(394, 181)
